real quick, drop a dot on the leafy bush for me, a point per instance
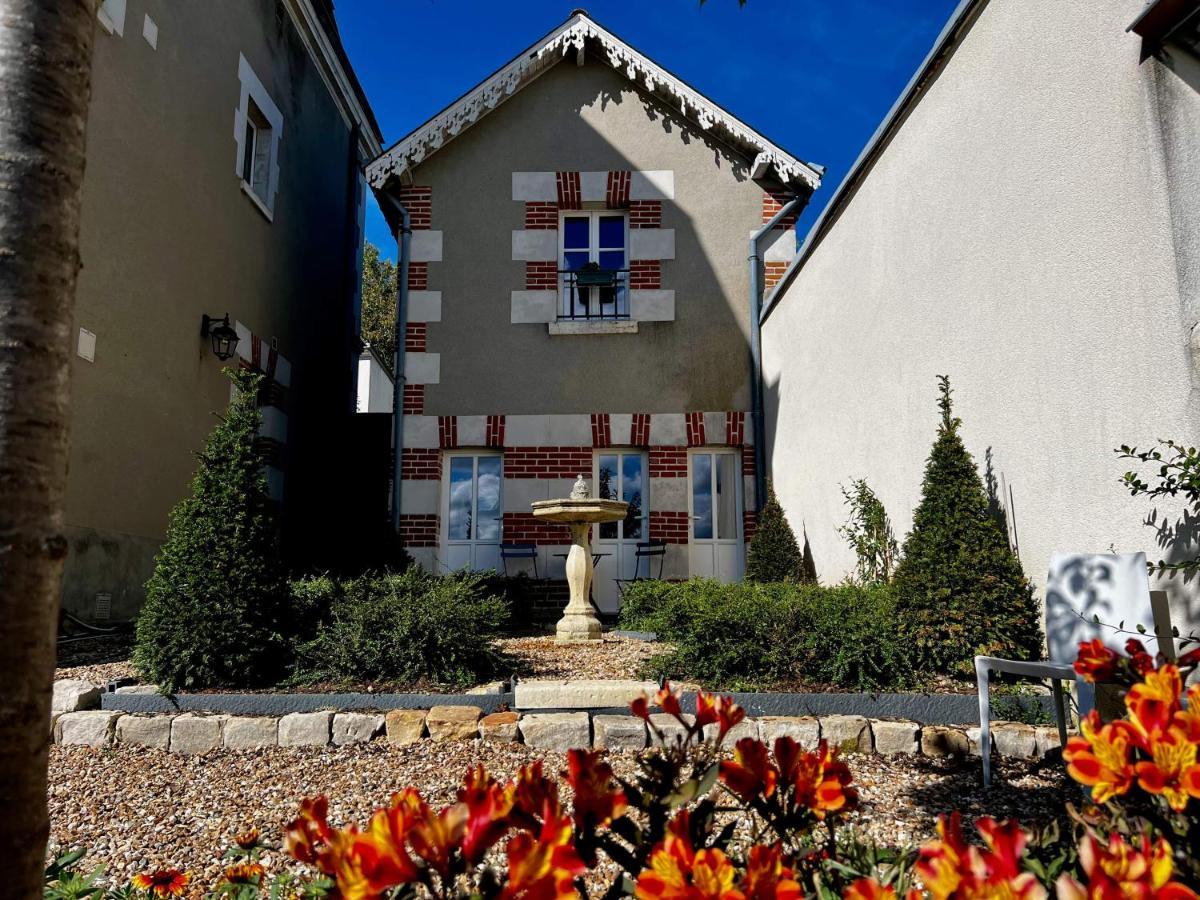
(774, 554)
(408, 628)
(214, 604)
(960, 589)
(642, 602)
(868, 531)
(777, 633)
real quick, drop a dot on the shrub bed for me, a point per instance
(748, 636)
(408, 628)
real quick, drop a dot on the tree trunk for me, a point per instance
(45, 76)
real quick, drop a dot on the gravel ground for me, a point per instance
(98, 660)
(611, 657)
(136, 808)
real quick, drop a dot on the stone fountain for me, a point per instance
(580, 512)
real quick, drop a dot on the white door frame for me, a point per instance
(471, 552)
(723, 558)
(620, 564)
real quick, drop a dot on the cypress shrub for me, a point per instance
(960, 589)
(215, 602)
(774, 553)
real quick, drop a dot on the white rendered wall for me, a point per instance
(1027, 232)
(374, 387)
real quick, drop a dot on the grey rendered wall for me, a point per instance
(588, 119)
(168, 235)
(1031, 231)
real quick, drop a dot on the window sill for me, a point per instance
(262, 207)
(624, 326)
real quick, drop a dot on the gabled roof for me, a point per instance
(578, 34)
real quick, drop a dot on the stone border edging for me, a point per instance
(283, 704)
(927, 709)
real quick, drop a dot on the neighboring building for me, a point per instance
(579, 304)
(224, 175)
(375, 385)
(1026, 221)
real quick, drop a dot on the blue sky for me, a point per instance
(815, 76)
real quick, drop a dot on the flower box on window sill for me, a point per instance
(594, 326)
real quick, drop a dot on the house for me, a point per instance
(1024, 220)
(226, 143)
(578, 301)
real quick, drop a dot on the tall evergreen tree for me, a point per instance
(774, 553)
(960, 589)
(215, 603)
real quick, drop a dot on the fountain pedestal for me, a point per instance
(579, 513)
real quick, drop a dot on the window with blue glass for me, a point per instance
(594, 265)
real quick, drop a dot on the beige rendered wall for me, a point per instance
(168, 235)
(1031, 231)
(589, 119)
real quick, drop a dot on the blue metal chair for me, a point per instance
(519, 551)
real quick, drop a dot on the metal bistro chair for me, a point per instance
(649, 551)
(519, 551)
(1114, 588)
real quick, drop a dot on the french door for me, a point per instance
(715, 545)
(619, 475)
(472, 511)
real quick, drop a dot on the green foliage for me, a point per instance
(214, 604)
(408, 628)
(774, 554)
(960, 589)
(642, 602)
(378, 316)
(869, 533)
(1175, 474)
(744, 636)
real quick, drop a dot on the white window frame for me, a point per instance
(593, 250)
(252, 90)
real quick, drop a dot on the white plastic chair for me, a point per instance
(1113, 587)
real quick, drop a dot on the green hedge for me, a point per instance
(409, 628)
(748, 636)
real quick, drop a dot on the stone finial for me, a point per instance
(580, 490)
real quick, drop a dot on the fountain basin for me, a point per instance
(587, 511)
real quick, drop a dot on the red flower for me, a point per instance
(308, 834)
(488, 806)
(950, 868)
(545, 867)
(767, 877)
(1141, 661)
(597, 800)
(668, 701)
(245, 873)
(1099, 757)
(820, 782)
(532, 791)
(678, 872)
(868, 889)
(1096, 662)
(1121, 870)
(720, 710)
(750, 773)
(162, 882)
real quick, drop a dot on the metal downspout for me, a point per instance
(405, 238)
(757, 417)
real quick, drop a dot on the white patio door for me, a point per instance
(619, 475)
(715, 547)
(472, 511)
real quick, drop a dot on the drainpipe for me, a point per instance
(404, 239)
(757, 417)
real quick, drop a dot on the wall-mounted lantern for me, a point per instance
(224, 337)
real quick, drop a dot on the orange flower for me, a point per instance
(488, 806)
(1099, 757)
(677, 872)
(248, 839)
(543, 868)
(1096, 662)
(245, 873)
(597, 800)
(950, 868)
(1153, 702)
(721, 710)
(1172, 769)
(434, 837)
(750, 773)
(531, 791)
(1121, 870)
(668, 701)
(819, 781)
(767, 877)
(640, 707)
(868, 889)
(307, 835)
(162, 882)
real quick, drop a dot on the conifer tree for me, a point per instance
(774, 554)
(960, 588)
(214, 605)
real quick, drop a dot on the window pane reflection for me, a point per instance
(487, 527)
(461, 469)
(575, 232)
(702, 522)
(726, 495)
(606, 489)
(631, 493)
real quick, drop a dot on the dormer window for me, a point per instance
(593, 265)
